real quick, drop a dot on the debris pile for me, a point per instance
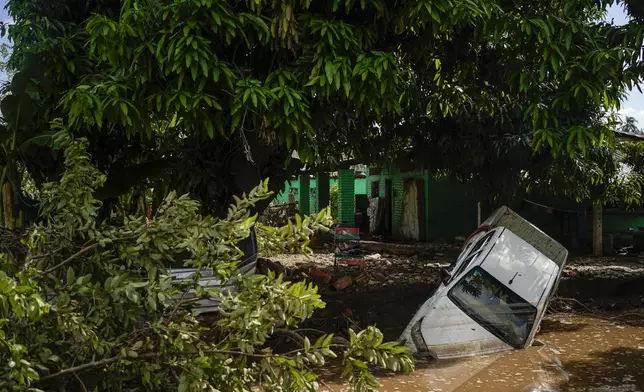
(364, 269)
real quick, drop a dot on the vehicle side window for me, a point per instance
(476, 250)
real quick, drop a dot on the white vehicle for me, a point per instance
(494, 295)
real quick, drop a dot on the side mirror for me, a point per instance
(445, 276)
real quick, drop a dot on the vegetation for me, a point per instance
(629, 125)
(334, 195)
(92, 306)
(209, 97)
(117, 107)
(292, 238)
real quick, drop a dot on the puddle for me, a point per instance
(580, 354)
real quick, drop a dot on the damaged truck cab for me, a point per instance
(494, 295)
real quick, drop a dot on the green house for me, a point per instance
(417, 207)
(421, 208)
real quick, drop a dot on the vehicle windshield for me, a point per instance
(493, 305)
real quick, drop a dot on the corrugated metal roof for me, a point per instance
(629, 135)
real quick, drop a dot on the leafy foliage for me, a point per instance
(334, 195)
(629, 125)
(292, 238)
(633, 155)
(94, 308)
(168, 88)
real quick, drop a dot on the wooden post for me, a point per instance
(7, 204)
(598, 223)
(478, 214)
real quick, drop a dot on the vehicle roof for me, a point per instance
(505, 217)
(511, 259)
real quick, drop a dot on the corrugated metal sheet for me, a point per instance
(208, 282)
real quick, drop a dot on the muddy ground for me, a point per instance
(386, 289)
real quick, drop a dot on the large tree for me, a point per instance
(210, 96)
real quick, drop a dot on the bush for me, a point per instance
(334, 195)
(93, 307)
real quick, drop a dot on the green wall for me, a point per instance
(360, 189)
(614, 223)
(452, 210)
(450, 206)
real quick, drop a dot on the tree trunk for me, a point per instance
(7, 204)
(598, 223)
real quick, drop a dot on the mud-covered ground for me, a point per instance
(386, 289)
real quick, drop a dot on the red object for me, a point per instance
(355, 262)
(343, 283)
(318, 273)
(475, 232)
(347, 230)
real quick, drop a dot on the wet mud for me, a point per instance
(580, 353)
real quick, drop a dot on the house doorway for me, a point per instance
(412, 225)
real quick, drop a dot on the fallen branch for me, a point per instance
(563, 299)
(145, 356)
(82, 384)
(71, 258)
(93, 365)
(291, 334)
(625, 316)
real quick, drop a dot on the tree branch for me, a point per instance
(71, 258)
(82, 384)
(93, 365)
(145, 356)
(325, 168)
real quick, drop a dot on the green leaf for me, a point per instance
(568, 40)
(45, 139)
(151, 302)
(359, 364)
(329, 71)
(204, 66)
(70, 276)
